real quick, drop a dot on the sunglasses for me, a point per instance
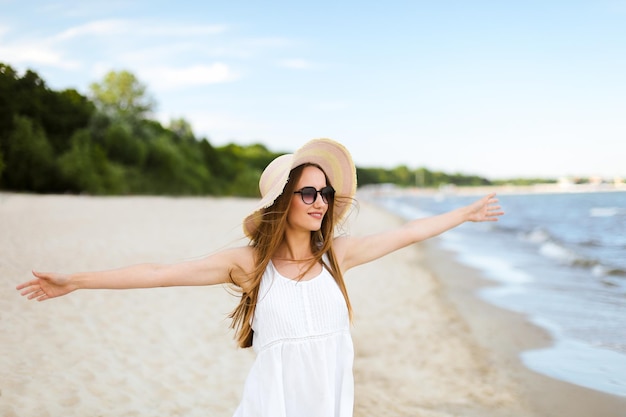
(309, 194)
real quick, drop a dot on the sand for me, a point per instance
(424, 345)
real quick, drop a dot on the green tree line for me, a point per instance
(421, 177)
(109, 143)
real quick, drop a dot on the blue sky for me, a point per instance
(493, 88)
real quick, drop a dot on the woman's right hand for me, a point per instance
(46, 285)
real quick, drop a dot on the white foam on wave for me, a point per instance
(571, 360)
(494, 268)
(558, 252)
(501, 296)
(537, 236)
(606, 211)
(580, 364)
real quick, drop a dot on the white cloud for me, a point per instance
(97, 28)
(182, 30)
(245, 48)
(168, 78)
(138, 28)
(145, 46)
(122, 43)
(36, 53)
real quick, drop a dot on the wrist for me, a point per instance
(76, 281)
(466, 214)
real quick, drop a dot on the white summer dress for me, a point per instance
(303, 366)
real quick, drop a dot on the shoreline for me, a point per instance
(390, 190)
(492, 327)
(492, 324)
(425, 344)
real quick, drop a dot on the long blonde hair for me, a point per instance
(267, 239)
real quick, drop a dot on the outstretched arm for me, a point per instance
(214, 269)
(354, 251)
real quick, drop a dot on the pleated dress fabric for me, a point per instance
(303, 366)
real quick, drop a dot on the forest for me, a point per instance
(108, 143)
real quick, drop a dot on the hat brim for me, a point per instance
(334, 159)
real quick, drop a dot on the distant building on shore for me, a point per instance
(594, 182)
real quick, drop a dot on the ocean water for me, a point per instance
(560, 259)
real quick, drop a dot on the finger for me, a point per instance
(29, 290)
(34, 293)
(491, 217)
(27, 284)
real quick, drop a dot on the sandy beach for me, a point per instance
(425, 345)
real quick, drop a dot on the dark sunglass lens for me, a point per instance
(308, 195)
(327, 194)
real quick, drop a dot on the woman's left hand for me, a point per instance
(485, 210)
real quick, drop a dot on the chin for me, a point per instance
(316, 227)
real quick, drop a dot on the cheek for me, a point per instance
(296, 209)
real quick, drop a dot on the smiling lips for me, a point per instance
(317, 215)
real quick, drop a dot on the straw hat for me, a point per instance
(331, 156)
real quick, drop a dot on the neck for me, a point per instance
(295, 247)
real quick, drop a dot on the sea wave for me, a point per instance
(600, 270)
(559, 260)
(550, 247)
(607, 211)
(556, 251)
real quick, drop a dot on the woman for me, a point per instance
(294, 308)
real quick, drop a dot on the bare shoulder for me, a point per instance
(339, 244)
(243, 263)
(340, 247)
(241, 258)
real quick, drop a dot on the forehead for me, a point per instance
(312, 176)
